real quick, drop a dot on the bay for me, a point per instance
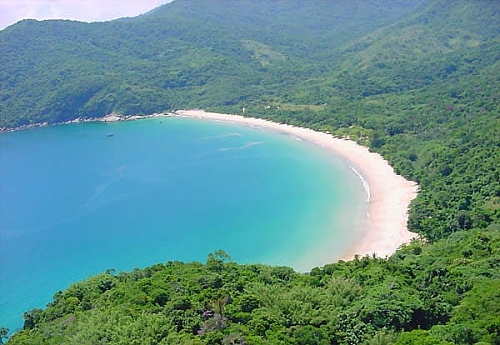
(78, 199)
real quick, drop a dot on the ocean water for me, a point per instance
(78, 199)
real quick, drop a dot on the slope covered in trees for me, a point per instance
(415, 81)
(447, 293)
(184, 54)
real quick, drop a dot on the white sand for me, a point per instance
(390, 194)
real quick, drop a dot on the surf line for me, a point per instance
(366, 186)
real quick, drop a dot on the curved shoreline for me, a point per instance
(389, 194)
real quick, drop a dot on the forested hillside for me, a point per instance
(416, 81)
(184, 54)
(442, 294)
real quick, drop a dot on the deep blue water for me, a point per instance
(75, 201)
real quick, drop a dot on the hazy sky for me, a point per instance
(12, 11)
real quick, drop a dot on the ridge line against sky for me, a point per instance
(12, 11)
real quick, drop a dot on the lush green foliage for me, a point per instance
(185, 54)
(447, 293)
(415, 81)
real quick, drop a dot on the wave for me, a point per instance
(228, 135)
(246, 146)
(116, 175)
(363, 181)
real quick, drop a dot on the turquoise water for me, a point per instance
(76, 200)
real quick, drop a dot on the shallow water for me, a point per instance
(78, 199)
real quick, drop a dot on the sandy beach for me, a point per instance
(390, 194)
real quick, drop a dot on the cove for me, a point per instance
(78, 199)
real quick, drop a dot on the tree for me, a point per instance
(32, 318)
(3, 334)
(419, 337)
(216, 261)
(309, 335)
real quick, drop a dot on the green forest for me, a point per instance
(417, 82)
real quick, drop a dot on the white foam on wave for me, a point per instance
(363, 181)
(222, 136)
(245, 146)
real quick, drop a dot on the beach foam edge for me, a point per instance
(389, 194)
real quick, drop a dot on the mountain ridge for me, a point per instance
(172, 28)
